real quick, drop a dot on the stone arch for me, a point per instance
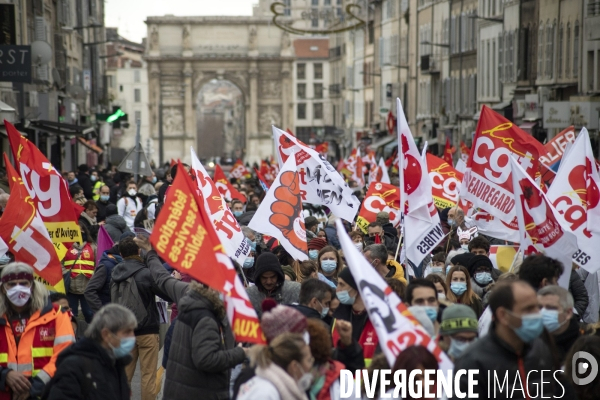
(202, 77)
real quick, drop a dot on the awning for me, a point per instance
(382, 142)
(501, 106)
(7, 113)
(60, 128)
(528, 126)
(90, 145)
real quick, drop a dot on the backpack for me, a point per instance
(126, 293)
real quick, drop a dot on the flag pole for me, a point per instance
(514, 260)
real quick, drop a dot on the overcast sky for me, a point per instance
(129, 15)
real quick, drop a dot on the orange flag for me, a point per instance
(185, 238)
(22, 228)
(47, 189)
(225, 187)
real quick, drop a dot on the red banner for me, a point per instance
(23, 230)
(445, 182)
(380, 197)
(185, 238)
(225, 187)
(487, 182)
(556, 147)
(48, 190)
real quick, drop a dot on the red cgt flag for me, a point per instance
(48, 190)
(448, 151)
(487, 182)
(225, 187)
(23, 230)
(239, 170)
(185, 238)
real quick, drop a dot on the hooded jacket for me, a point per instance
(97, 292)
(202, 351)
(106, 379)
(286, 292)
(115, 226)
(147, 289)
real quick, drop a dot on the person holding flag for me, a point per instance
(202, 350)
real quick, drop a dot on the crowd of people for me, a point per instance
(313, 317)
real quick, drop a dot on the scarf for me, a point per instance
(286, 385)
(89, 219)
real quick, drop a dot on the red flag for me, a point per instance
(487, 182)
(266, 172)
(48, 190)
(379, 197)
(464, 151)
(225, 187)
(23, 230)
(448, 151)
(262, 180)
(186, 239)
(445, 182)
(322, 148)
(391, 123)
(239, 170)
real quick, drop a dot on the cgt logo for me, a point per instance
(584, 363)
(496, 161)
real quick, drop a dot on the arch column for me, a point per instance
(188, 108)
(253, 120)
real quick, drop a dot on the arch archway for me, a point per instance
(220, 121)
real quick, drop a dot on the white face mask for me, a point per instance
(305, 381)
(359, 246)
(19, 295)
(132, 192)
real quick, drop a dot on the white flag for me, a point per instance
(574, 194)
(539, 227)
(492, 226)
(227, 227)
(280, 213)
(396, 327)
(320, 183)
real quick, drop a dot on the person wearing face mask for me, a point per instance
(422, 293)
(129, 205)
(237, 208)
(103, 202)
(314, 246)
(483, 274)
(94, 367)
(32, 326)
(352, 309)
(377, 256)
(311, 224)
(513, 349)
(459, 281)
(96, 185)
(314, 299)
(458, 329)
(330, 263)
(358, 240)
(283, 370)
(557, 314)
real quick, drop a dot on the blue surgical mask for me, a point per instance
(238, 213)
(248, 262)
(154, 179)
(104, 197)
(550, 319)
(313, 254)
(93, 178)
(127, 344)
(4, 259)
(457, 348)
(458, 288)
(483, 278)
(531, 327)
(328, 266)
(436, 270)
(432, 312)
(253, 246)
(344, 298)
(324, 311)
(465, 247)
(448, 268)
(450, 222)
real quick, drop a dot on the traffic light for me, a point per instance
(118, 118)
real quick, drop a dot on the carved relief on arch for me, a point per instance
(267, 116)
(173, 121)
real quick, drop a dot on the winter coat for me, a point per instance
(579, 292)
(86, 371)
(490, 353)
(97, 292)
(115, 226)
(101, 216)
(246, 217)
(128, 208)
(147, 289)
(91, 226)
(564, 341)
(85, 182)
(287, 293)
(271, 383)
(332, 239)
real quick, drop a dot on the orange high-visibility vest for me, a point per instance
(48, 332)
(80, 263)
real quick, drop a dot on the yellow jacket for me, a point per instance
(399, 274)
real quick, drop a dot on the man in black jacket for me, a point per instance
(557, 313)
(512, 355)
(146, 334)
(84, 180)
